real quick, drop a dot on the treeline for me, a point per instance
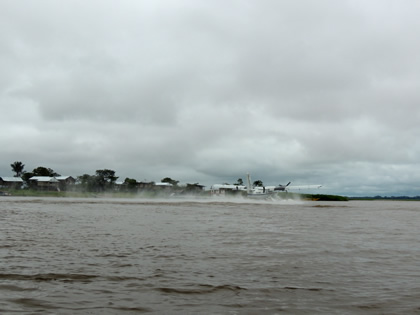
(103, 179)
(386, 198)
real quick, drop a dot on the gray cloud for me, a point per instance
(313, 92)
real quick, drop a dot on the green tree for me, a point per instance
(170, 181)
(258, 183)
(105, 179)
(101, 181)
(18, 167)
(130, 184)
(87, 182)
(239, 182)
(26, 176)
(43, 171)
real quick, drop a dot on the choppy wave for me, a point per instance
(202, 289)
(48, 277)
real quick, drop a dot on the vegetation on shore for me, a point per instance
(103, 184)
(407, 198)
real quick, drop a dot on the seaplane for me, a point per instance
(256, 192)
(261, 192)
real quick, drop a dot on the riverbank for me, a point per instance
(151, 194)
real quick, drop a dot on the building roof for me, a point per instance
(43, 179)
(12, 179)
(63, 177)
(164, 184)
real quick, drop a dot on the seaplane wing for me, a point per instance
(303, 187)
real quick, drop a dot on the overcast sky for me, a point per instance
(313, 92)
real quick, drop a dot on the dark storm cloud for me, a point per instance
(315, 92)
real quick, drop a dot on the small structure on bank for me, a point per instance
(145, 185)
(11, 182)
(194, 188)
(44, 183)
(66, 182)
(226, 189)
(163, 185)
(59, 183)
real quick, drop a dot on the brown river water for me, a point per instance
(131, 256)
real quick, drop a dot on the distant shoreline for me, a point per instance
(396, 198)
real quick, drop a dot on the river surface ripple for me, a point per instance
(111, 256)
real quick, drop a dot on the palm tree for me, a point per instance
(18, 167)
(170, 181)
(258, 183)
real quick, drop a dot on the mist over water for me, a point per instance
(112, 256)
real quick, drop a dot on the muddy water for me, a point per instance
(104, 256)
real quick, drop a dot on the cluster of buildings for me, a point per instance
(57, 183)
(68, 183)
